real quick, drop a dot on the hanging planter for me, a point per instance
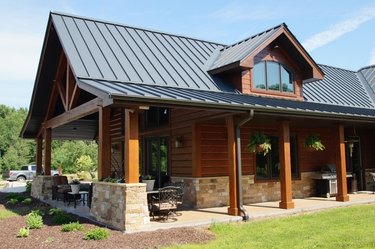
(259, 143)
(314, 143)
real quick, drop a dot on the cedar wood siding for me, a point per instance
(117, 138)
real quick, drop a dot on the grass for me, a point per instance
(350, 227)
(5, 214)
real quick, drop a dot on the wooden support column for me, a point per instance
(47, 152)
(285, 166)
(104, 148)
(232, 166)
(39, 155)
(197, 169)
(131, 147)
(342, 191)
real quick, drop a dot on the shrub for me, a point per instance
(28, 186)
(96, 234)
(55, 211)
(61, 218)
(20, 198)
(38, 212)
(27, 201)
(34, 220)
(73, 226)
(12, 196)
(23, 232)
(12, 201)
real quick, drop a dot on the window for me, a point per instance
(156, 117)
(268, 166)
(272, 76)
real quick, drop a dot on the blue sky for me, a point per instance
(336, 32)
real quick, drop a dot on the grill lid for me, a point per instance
(328, 168)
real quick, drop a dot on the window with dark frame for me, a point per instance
(156, 117)
(273, 76)
(268, 166)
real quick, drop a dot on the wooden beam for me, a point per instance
(131, 146)
(47, 152)
(232, 166)
(62, 93)
(342, 191)
(75, 97)
(80, 111)
(39, 154)
(285, 166)
(70, 83)
(104, 144)
(196, 167)
(51, 103)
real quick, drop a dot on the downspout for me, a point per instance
(245, 215)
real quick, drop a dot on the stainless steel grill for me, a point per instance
(326, 180)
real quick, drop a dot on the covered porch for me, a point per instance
(209, 216)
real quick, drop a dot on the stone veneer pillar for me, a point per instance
(121, 205)
(41, 187)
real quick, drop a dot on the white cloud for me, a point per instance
(339, 29)
(372, 57)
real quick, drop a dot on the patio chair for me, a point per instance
(373, 182)
(165, 203)
(60, 187)
(180, 192)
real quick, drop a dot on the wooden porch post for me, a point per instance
(104, 153)
(131, 147)
(39, 154)
(342, 191)
(233, 206)
(47, 152)
(285, 166)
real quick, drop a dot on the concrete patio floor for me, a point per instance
(207, 216)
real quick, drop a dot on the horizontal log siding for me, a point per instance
(182, 125)
(117, 137)
(214, 149)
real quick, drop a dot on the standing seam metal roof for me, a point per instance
(112, 52)
(117, 61)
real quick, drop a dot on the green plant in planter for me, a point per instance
(75, 182)
(259, 143)
(313, 142)
(147, 177)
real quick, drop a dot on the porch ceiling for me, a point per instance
(143, 93)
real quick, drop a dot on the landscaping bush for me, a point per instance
(12, 201)
(28, 186)
(55, 211)
(27, 201)
(73, 226)
(37, 212)
(61, 218)
(96, 234)
(23, 232)
(12, 196)
(34, 220)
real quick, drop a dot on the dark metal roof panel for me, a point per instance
(369, 74)
(112, 52)
(339, 87)
(192, 97)
(238, 51)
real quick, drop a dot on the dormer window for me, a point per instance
(272, 76)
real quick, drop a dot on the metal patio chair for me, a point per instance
(373, 182)
(164, 203)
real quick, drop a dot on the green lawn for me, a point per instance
(4, 214)
(351, 227)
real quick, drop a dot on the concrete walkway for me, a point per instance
(207, 216)
(13, 187)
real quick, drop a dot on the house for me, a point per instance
(170, 105)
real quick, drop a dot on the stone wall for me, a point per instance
(214, 191)
(41, 187)
(119, 205)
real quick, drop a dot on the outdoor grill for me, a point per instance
(326, 180)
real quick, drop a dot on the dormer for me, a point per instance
(272, 63)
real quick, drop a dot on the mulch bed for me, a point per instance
(50, 236)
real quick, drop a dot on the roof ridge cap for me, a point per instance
(324, 65)
(366, 67)
(133, 27)
(253, 36)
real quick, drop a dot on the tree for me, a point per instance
(14, 151)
